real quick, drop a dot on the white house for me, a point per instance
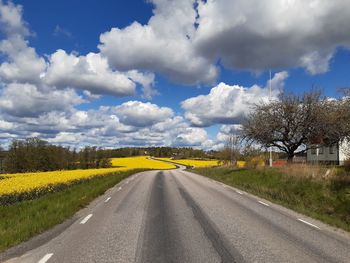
(335, 154)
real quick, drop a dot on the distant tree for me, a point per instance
(2, 157)
(15, 160)
(231, 152)
(295, 123)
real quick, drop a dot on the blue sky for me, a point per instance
(84, 20)
(161, 72)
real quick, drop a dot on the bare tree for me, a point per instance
(234, 145)
(294, 123)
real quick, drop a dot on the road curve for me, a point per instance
(178, 216)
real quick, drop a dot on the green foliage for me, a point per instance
(180, 153)
(326, 200)
(34, 155)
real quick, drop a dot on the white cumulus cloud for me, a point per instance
(258, 35)
(227, 104)
(26, 100)
(191, 137)
(185, 39)
(11, 21)
(90, 72)
(163, 45)
(141, 114)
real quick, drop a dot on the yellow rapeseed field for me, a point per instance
(193, 162)
(141, 162)
(23, 183)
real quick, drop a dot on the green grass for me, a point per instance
(325, 200)
(23, 220)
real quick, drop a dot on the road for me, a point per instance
(177, 216)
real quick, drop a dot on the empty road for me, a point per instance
(177, 216)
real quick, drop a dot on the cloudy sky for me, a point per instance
(160, 72)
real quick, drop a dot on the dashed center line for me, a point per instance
(85, 219)
(120, 188)
(238, 192)
(45, 258)
(109, 198)
(305, 222)
(261, 202)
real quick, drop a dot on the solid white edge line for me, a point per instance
(45, 258)
(85, 219)
(305, 222)
(109, 198)
(261, 202)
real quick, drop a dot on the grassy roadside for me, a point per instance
(23, 220)
(325, 200)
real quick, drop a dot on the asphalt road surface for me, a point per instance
(177, 216)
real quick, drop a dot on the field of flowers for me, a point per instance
(17, 187)
(192, 162)
(141, 162)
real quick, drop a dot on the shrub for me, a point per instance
(347, 165)
(256, 161)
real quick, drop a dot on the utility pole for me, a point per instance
(270, 94)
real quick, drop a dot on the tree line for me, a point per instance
(179, 153)
(35, 154)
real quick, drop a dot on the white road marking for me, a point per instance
(45, 258)
(120, 188)
(238, 192)
(85, 219)
(305, 222)
(109, 198)
(263, 203)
